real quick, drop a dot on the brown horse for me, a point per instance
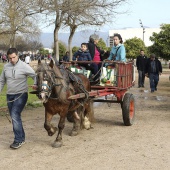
(54, 88)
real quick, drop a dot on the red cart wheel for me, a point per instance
(128, 109)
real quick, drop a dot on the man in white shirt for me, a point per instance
(27, 59)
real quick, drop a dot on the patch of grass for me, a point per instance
(2, 113)
(33, 105)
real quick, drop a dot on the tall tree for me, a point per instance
(23, 44)
(92, 13)
(161, 42)
(102, 44)
(18, 17)
(133, 47)
(79, 12)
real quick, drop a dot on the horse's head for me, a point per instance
(45, 79)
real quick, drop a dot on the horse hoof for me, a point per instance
(73, 133)
(55, 129)
(86, 123)
(57, 144)
(52, 131)
(87, 126)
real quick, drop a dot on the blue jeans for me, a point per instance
(154, 78)
(16, 103)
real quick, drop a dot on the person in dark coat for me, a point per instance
(141, 64)
(96, 55)
(153, 70)
(83, 55)
(66, 57)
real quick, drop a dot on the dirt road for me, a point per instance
(108, 146)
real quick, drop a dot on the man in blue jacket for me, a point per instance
(83, 55)
(153, 70)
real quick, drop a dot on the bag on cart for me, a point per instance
(108, 77)
(81, 70)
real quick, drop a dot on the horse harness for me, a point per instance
(77, 83)
(50, 75)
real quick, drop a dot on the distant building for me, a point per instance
(129, 33)
(49, 49)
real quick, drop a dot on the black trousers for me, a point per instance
(141, 78)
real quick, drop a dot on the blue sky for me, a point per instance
(152, 13)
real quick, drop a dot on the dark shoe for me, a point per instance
(142, 85)
(139, 86)
(155, 89)
(16, 145)
(152, 91)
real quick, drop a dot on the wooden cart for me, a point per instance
(125, 79)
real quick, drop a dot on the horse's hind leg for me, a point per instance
(47, 125)
(58, 142)
(88, 115)
(76, 123)
(89, 111)
(84, 119)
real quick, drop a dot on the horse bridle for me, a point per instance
(47, 77)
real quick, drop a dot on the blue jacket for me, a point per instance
(82, 55)
(66, 58)
(148, 66)
(121, 53)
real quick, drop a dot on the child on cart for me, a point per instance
(83, 55)
(118, 52)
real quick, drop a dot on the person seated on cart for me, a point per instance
(118, 52)
(83, 55)
(96, 54)
(66, 57)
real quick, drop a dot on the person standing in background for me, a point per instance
(15, 74)
(153, 70)
(141, 65)
(66, 57)
(27, 59)
(4, 58)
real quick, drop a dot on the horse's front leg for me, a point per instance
(58, 142)
(47, 125)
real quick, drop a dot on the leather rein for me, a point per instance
(49, 76)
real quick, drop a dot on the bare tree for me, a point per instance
(74, 13)
(23, 44)
(18, 17)
(96, 13)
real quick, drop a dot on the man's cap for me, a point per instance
(152, 55)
